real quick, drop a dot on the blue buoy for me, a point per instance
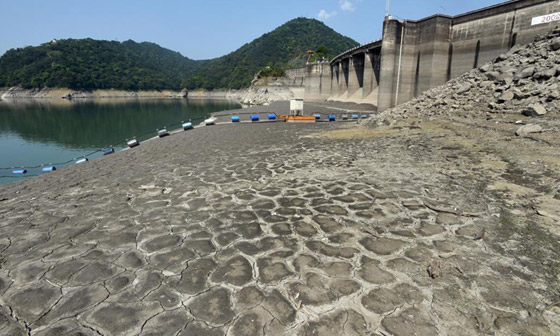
(187, 126)
(354, 116)
(82, 160)
(234, 118)
(19, 171)
(49, 169)
(271, 116)
(162, 132)
(332, 117)
(132, 143)
(364, 116)
(317, 116)
(108, 151)
(254, 117)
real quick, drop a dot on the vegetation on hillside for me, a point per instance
(278, 47)
(94, 64)
(271, 70)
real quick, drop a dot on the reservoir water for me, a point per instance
(38, 132)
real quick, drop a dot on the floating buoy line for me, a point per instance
(22, 171)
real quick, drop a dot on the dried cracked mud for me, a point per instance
(279, 229)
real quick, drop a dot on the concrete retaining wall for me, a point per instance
(294, 77)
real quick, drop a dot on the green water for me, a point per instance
(37, 132)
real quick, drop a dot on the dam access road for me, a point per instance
(412, 228)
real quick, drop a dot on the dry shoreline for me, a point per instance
(250, 96)
(59, 93)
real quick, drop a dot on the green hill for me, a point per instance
(279, 48)
(94, 64)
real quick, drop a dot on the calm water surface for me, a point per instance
(36, 132)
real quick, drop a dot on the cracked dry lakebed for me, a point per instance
(418, 228)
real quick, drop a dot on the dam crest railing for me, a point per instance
(362, 46)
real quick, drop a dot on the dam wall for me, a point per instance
(318, 81)
(354, 78)
(294, 77)
(416, 55)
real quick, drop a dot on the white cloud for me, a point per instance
(324, 15)
(346, 5)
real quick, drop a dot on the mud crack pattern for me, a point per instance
(263, 230)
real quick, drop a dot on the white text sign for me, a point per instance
(545, 18)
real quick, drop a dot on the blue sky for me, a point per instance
(201, 29)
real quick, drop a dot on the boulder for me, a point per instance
(493, 75)
(525, 73)
(463, 88)
(527, 129)
(546, 74)
(505, 78)
(505, 97)
(500, 58)
(183, 94)
(485, 68)
(508, 68)
(555, 45)
(553, 95)
(518, 94)
(534, 110)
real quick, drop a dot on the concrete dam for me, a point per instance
(416, 55)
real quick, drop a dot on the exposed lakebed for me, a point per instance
(35, 132)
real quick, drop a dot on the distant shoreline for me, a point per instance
(65, 93)
(250, 96)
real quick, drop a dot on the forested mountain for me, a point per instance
(89, 64)
(94, 64)
(277, 48)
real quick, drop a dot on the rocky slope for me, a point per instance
(510, 108)
(521, 86)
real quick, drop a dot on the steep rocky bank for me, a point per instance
(522, 85)
(259, 95)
